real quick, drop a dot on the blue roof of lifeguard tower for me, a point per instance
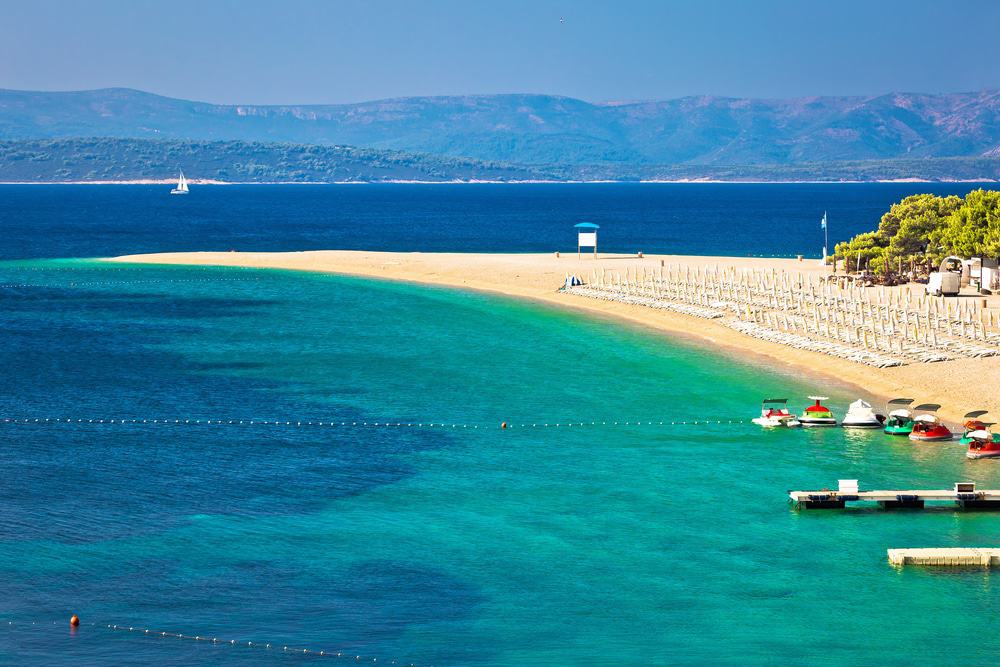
(587, 225)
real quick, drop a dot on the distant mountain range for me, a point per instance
(693, 136)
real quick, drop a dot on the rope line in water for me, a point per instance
(130, 268)
(132, 282)
(363, 424)
(84, 270)
(266, 646)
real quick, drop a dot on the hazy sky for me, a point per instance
(302, 51)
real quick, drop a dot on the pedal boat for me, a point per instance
(817, 414)
(774, 414)
(900, 420)
(927, 427)
(973, 423)
(861, 415)
(983, 444)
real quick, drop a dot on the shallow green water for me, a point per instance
(572, 545)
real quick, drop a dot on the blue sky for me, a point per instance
(303, 51)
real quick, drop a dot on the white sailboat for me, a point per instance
(182, 186)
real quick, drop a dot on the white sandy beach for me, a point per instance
(959, 385)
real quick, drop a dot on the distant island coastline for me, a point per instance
(116, 160)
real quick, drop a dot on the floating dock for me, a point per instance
(964, 495)
(960, 557)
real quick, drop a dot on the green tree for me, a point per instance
(973, 230)
(921, 220)
(861, 251)
(909, 229)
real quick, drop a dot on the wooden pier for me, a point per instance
(958, 557)
(964, 495)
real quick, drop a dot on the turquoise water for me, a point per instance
(562, 545)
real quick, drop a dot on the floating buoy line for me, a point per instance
(128, 269)
(96, 283)
(361, 424)
(211, 639)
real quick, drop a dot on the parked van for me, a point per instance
(948, 279)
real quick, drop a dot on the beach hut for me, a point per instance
(586, 237)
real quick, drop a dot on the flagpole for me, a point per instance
(826, 240)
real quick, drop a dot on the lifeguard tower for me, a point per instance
(586, 237)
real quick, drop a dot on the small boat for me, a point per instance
(983, 444)
(774, 414)
(182, 186)
(900, 420)
(860, 415)
(927, 427)
(817, 414)
(973, 423)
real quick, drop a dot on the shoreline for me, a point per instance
(537, 277)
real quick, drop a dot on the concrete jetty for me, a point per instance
(949, 557)
(964, 495)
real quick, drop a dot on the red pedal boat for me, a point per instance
(926, 425)
(982, 444)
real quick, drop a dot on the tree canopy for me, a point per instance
(927, 228)
(974, 229)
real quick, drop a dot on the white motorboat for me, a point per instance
(860, 415)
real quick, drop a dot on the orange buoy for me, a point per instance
(503, 425)
(74, 620)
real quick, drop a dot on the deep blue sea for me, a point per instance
(687, 219)
(461, 543)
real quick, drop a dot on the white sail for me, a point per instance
(182, 186)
